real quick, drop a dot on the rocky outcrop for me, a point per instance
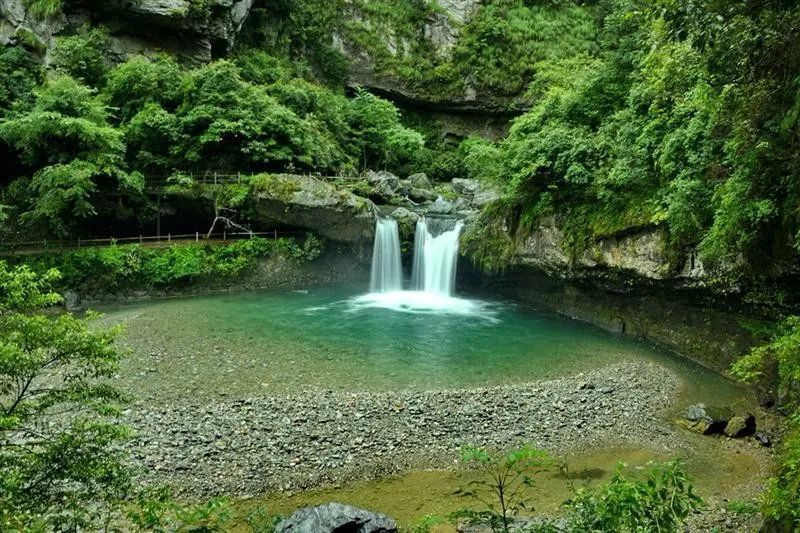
(715, 420)
(181, 27)
(311, 203)
(640, 252)
(336, 518)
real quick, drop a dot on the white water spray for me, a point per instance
(435, 256)
(387, 273)
(434, 271)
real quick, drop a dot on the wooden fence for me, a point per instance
(34, 247)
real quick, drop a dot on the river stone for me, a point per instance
(741, 426)
(336, 518)
(420, 181)
(705, 420)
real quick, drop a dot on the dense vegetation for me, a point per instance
(680, 114)
(121, 267)
(686, 117)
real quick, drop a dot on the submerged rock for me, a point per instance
(336, 518)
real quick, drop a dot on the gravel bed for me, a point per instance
(248, 447)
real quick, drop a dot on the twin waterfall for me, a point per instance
(435, 257)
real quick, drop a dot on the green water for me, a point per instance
(262, 342)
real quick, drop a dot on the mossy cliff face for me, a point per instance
(625, 283)
(310, 203)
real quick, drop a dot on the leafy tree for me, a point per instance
(378, 134)
(20, 73)
(83, 55)
(72, 151)
(59, 464)
(140, 81)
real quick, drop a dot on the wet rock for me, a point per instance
(385, 184)
(72, 301)
(442, 207)
(705, 420)
(420, 181)
(740, 426)
(422, 195)
(336, 518)
(406, 221)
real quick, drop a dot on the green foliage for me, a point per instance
(43, 9)
(60, 466)
(19, 74)
(156, 510)
(781, 502)
(778, 363)
(139, 82)
(378, 133)
(502, 493)
(661, 502)
(67, 143)
(118, 267)
(83, 55)
(780, 358)
(684, 114)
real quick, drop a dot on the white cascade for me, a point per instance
(387, 273)
(436, 256)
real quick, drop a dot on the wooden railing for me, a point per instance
(45, 245)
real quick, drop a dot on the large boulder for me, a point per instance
(420, 181)
(311, 203)
(385, 184)
(704, 419)
(336, 518)
(739, 426)
(406, 221)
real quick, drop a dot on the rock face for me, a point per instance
(640, 252)
(310, 203)
(336, 518)
(193, 33)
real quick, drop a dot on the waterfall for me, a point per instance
(436, 256)
(387, 273)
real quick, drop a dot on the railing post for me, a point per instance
(79, 242)
(275, 234)
(169, 237)
(224, 235)
(141, 240)
(196, 236)
(215, 178)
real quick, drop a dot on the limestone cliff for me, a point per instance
(196, 32)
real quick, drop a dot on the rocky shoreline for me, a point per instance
(253, 446)
(245, 448)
